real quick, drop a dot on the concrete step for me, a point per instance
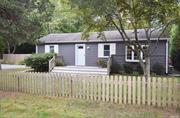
(79, 72)
(81, 69)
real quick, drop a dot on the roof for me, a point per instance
(111, 36)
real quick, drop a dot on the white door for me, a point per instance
(80, 54)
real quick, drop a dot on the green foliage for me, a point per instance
(139, 69)
(175, 45)
(128, 68)
(60, 63)
(2, 45)
(117, 68)
(64, 18)
(39, 62)
(158, 69)
(25, 21)
(102, 63)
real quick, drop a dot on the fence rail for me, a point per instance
(155, 91)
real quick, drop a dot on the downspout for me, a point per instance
(167, 55)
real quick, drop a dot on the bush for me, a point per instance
(60, 63)
(139, 69)
(102, 63)
(175, 56)
(175, 45)
(117, 68)
(128, 68)
(158, 69)
(39, 62)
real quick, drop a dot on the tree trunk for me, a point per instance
(8, 48)
(147, 71)
(0, 66)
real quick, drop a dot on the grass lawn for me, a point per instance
(16, 105)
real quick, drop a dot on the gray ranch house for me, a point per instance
(77, 52)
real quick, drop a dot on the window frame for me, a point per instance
(50, 48)
(133, 54)
(106, 50)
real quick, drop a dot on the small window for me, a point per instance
(51, 48)
(80, 47)
(106, 50)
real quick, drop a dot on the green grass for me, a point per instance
(30, 106)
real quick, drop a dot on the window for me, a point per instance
(106, 50)
(132, 56)
(51, 49)
(80, 47)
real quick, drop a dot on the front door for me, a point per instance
(80, 54)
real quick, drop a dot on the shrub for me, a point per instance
(60, 63)
(158, 69)
(39, 62)
(102, 63)
(117, 68)
(139, 69)
(175, 56)
(175, 45)
(128, 68)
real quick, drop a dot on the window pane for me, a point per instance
(129, 53)
(51, 49)
(144, 48)
(106, 53)
(106, 47)
(80, 47)
(135, 55)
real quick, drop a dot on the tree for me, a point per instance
(175, 45)
(64, 18)
(149, 15)
(1, 48)
(23, 21)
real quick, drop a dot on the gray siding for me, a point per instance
(91, 54)
(67, 51)
(41, 48)
(158, 55)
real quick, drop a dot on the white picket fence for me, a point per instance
(155, 91)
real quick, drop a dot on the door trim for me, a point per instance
(76, 56)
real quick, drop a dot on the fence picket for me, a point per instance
(120, 90)
(134, 90)
(139, 90)
(111, 88)
(159, 93)
(129, 89)
(103, 88)
(154, 91)
(107, 89)
(169, 92)
(116, 89)
(125, 90)
(149, 91)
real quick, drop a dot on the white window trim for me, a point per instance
(132, 54)
(56, 48)
(101, 49)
